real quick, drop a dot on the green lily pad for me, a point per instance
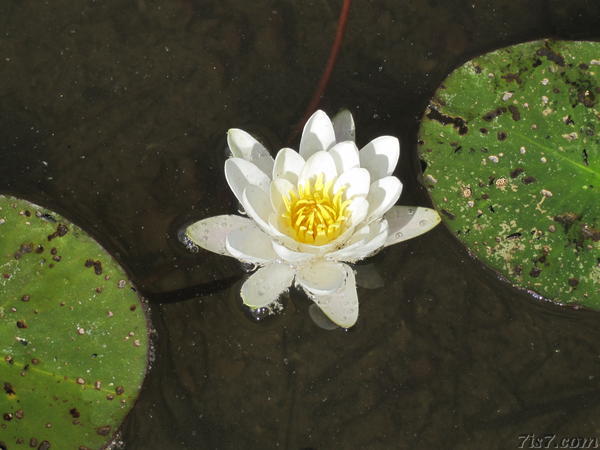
(73, 334)
(511, 141)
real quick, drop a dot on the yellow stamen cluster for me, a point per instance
(315, 213)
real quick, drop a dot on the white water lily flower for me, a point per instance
(311, 212)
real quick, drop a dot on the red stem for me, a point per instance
(333, 53)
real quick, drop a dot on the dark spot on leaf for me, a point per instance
(566, 219)
(485, 196)
(458, 122)
(514, 111)
(509, 77)
(517, 270)
(103, 431)
(585, 157)
(536, 63)
(120, 390)
(501, 135)
(483, 130)
(573, 282)
(25, 298)
(19, 414)
(9, 389)
(491, 208)
(590, 233)
(514, 236)
(529, 179)
(535, 272)
(39, 249)
(74, 413)
(586, 97)
(33, 442)
(21, 324)
(97, 267)
(551, 55)
(44, 445)
(584, 66)
(61, 230)
(491, 115)
(3, 446)
(516, 172)
(7, 416)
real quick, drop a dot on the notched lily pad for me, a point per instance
(73, 334)
(511, 141)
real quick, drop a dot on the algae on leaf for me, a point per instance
(511, 142)
(73, 334)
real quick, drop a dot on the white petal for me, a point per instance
(317, 135)
(266, 285)
(211, 233)
(258, 206)
(363, 244)
(342, 306)
(318, 163)
(241, 173)
(358, 211)
(280, 187)
(321, 277)
(242, 145)
(343, 125)
(251, 245)
(288, 165)
(380, 156)
(383, 194)
(291, 256)
(357, 182)
(407, 222)
(345, 155)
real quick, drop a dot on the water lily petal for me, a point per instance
(280, 187)
(318, 134)
(363, 244)
(257, 204)
(319, 163)
(343, 125)
(357, 182)
(383, 194)
(407, 222)
(358, 211)
(266, 285)
(291, 256)
(241, 173)
(211, 233)
(243, 145)
(341, 306)
(251, 245)
(288, 165)
(321, 277)
(345, 155)
(380, 156)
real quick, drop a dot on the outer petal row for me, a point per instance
(243, 145)
(407, 222)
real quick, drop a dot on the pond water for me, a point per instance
(114, 113)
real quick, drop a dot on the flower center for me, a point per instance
(314, 213)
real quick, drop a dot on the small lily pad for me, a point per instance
(73, 334)
(511, 142)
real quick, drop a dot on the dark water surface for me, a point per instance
(114, 112)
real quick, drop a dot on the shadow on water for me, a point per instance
(114, 114)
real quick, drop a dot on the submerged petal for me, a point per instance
(343, 125)
(266, 285)
(243, 145)
(251, 245)
(345, 155)
(288, 165)
(318, 134)
(211, 233)
(321, 277)
(241, 173)
(383, 194)
(407, 222)
(380, 156)
(341, 306)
